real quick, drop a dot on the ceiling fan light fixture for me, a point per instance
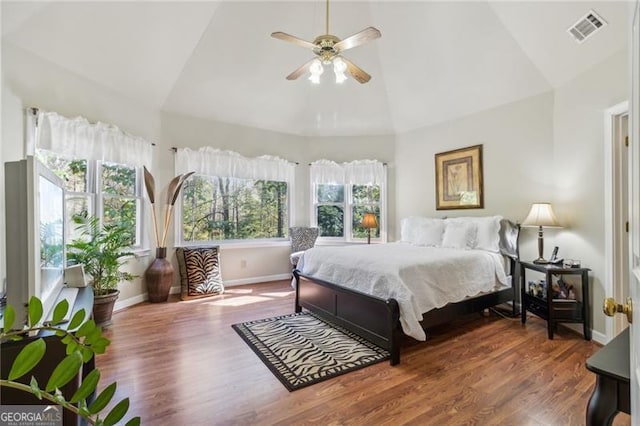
(316, 69)
(339, 67)
(328, 49)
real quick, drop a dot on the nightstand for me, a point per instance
(557, 310)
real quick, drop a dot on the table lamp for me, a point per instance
(369, 222)
(541, 215)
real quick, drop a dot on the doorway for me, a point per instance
(616, 210)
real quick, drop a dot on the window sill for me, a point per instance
(142, 252)
(240, 244)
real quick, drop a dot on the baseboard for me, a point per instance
(598, 337)
(253, 280)
(125, 303)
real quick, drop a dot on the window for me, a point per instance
(101, 165)
(224, 208)
(121, 198)
(342, 194)
(232, 198)
(330, 206)
(364, 198)
(107, 190)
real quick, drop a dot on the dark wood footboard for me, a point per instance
(378, 320)
(375, 319)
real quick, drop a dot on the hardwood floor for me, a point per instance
(181, 363)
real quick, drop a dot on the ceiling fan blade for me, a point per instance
(356, 72)
(300, 70)
(357, 39)
(293, 39)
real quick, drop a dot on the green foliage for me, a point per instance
(35, 310)
(331, 204)
(218, 208)
(101, 249)
(28, 358)
(51, 245)
(357, 214)
(72, 172)
(331, 221)
(87, 340)
(119, 203)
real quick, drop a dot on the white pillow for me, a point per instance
(488, 234)
(407, 229)
(413, 228)
(459, 234)
(429, 233)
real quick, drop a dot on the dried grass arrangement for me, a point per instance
(172, 196)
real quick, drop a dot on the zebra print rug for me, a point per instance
(301, 349)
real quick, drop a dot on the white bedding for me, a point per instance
(419, 278)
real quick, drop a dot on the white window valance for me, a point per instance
(77, 138)
(359, 172)
(214, 162)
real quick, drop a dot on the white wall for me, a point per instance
(579, 150)
(517, 153)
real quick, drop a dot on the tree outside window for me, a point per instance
(330, 208)
(364, 198)
(111, 190)
(225, 208)
(340, 208)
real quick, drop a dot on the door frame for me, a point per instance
(612, 273)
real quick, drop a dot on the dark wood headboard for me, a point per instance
(509, 234)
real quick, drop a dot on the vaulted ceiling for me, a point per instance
(216, 60)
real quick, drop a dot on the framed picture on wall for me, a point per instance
(459, 179)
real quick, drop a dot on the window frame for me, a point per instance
(348, 205)
(95, 196)
(139, 197)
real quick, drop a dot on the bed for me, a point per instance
(377, 291)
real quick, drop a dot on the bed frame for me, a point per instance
(378, 320)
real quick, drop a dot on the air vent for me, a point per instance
(586, 26)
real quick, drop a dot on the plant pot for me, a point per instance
(159, 277)
(103, 307)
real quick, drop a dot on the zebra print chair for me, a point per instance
(302, 238)
(199, 271)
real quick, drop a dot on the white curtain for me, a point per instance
(77, 138)
(359, 172)
(325, 171)
(215, 162)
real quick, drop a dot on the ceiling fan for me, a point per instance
(328, 50)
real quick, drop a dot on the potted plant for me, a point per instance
(101, 249)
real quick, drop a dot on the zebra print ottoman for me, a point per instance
(199, 271)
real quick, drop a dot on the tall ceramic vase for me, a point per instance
(159, 277)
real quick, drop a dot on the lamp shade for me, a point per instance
(369, 221)
(541, 214)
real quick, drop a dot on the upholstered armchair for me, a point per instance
(302, 238)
